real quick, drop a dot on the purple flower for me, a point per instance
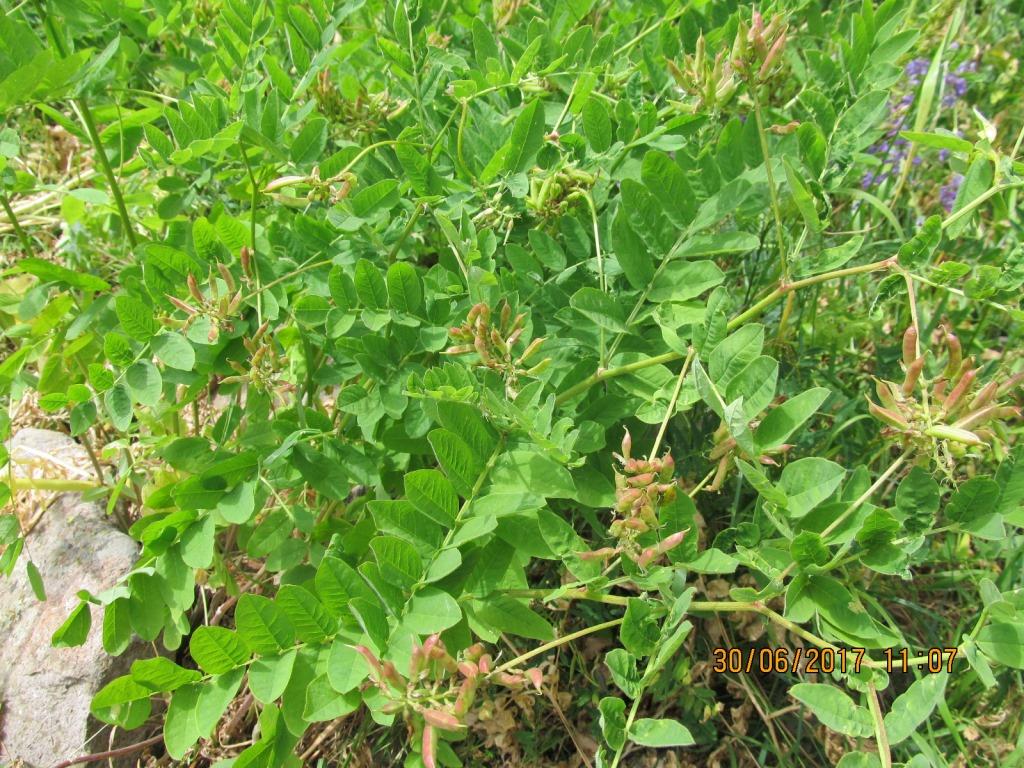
(916, 69)
(949, 190)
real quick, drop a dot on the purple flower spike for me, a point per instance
(949, 190)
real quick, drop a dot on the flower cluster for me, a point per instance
(892, 149)
(956, 409)
(439, 690)
(265, 369)
(493, 343)
(215, 307)
(641, 488)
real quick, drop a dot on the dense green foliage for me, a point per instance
(409, 336)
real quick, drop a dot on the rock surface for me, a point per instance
(45, 691)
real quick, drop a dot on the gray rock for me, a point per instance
(45, 691)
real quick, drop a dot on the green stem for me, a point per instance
(629, 724)
(51, 484)
(108, 170)
(776, 209)
(94, 136)
(758, 308)
(672, 403)
(25, 242)
(405, 233)
(881, 737)
(555, 643)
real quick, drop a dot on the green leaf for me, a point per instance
(506, 614)
(458, 460)
(667, 182)
(370, 286)
(597, 124)
(310, 143)
(380, 196)
(640, 630)
(136, 318)
(263, 624)
(1003, 642)
(633, 256)
(162, 674)
(269, 676)
(36, 580)
(978, 179)
(307, 615)
(834, 708)
(217, 650)
(600, 308)
(914, 706)
(613, 721)
(682, 280)
(118, 403)
(174, 351)
(431, 610)
(346, 667)
(664, 732)
(324, 703)
(782, 421)
(433, 495)
(404, 287)
(808, 482)
(938, 141)
(622, 664)
(526, 139)
(75, 629)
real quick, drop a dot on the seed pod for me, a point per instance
(540, 367)
(284, 181)
(513, 338)
(446, 721)
(1011, 382)
(889, 417)
(236, 300)
(182, 305)
(977, 417)
(955, 398)
(910, 345)
(939, 388)
(985, 396)
(946, 432)
(627, 444)
(955, 355)
(598, 554)
(193, 288)
(225, 275)
(371, 659)
(245, 255)
(428, 747)
(773, 54)
(531, 348)
(912, 375)
(668, 466)
(459, 349)
(886, 394)
(640, 481)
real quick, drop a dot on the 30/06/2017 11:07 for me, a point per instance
(827, 660)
